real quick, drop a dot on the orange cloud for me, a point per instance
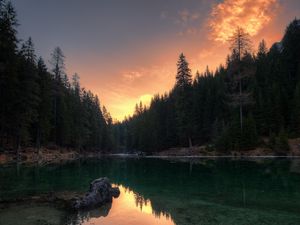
(251, 15)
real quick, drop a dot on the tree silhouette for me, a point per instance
(241, 67)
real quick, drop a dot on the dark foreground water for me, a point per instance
(157, 191)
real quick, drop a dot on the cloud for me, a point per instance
(187, 20)
(186, 16)
(188, 31)
(131, 76)
(163, 14)
(251, 15)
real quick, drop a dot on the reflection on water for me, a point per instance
(154, 191)
(130, 208)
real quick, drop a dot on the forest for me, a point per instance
(41, 106)
(252, 100)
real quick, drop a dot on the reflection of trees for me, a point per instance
(295, 166)
(140, 201)
(84, 216)
(173, 187)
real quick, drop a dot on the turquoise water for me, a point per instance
(161, 191)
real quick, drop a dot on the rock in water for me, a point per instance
(100, 192)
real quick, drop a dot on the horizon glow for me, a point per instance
(125, 51)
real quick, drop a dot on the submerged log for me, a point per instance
(100, 192)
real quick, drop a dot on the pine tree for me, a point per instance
(240, 68)
(43, 124)
(291, 51)
(183, 76)
(183, 100)
(295, 121)
(29, 97)
(261, 88)
(8, 71)
(77, 113)
(108, 130)
(262, 50)
(58, 69)
(58, 64)
(76, 84)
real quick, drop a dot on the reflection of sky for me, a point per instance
(126, 50)
(129, 209)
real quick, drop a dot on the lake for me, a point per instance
(161, 191)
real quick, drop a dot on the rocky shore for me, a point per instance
(100, 193)
(45, 155)
(207, 151)
(57, 155)
(55, 208)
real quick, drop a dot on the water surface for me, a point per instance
(160, 191)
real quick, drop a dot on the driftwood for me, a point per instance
(100, 192)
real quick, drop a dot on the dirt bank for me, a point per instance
(55, 155)
(207, 151)
(44, 155)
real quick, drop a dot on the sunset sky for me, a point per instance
(126, 50)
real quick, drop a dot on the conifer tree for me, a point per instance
(262, 49)
(183, 76)
(29, 90)
(58, 69)
(8, 71)
(58, 63)
(240, 68)
(183, 101)
(43, 124)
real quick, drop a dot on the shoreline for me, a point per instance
(97, 156)
(58, 155)
(45, 156)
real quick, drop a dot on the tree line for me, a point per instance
(253, 100)
(41, 106)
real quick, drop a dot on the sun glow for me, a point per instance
(127, 106)
(146, 99)
(121, 87)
